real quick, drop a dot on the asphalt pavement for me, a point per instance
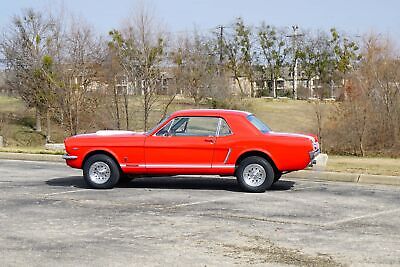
(49, 217)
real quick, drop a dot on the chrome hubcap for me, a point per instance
(254, 174)
(99, 172)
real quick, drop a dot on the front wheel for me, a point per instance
(255, 174)
(277, 176)
(101, 172)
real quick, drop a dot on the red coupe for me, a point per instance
(222, 142)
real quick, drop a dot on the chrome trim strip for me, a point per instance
(228, 166)
(179, 166)
(68, 157)
(227, 155)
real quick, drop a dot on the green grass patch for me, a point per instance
(11, 104)
(366, 165)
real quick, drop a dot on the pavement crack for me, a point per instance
(245, 217)
(371, 215)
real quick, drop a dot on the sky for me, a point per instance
(354, 17)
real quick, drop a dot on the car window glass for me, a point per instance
(195, 126)
(261, 126)
(178, 126)
(224, 130)
(164, 130)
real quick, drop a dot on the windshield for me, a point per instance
(161, 122)
(261, 126)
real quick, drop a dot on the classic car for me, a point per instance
(197, 142)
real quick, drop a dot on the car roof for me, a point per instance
(209, 112)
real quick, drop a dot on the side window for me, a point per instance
(224, 129)
(190, 126)
(201, 126)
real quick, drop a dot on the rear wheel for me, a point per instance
(255, 174)
(101, 172)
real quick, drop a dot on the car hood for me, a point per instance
(110, 133)
(117, 132)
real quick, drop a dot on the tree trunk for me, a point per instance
(165, 110)
(126, 110)
(146, 107)
(116, 102)
(240, 86)
(48, 120)
(362, 148)
(274, 86)
(38, 121)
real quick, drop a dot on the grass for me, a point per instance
(10, 104)
(366, 165)
(288, 115)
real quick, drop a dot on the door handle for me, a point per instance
(210, 140)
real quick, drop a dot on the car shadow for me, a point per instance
(174, 182)
(70, 181)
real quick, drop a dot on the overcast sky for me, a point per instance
(352, 16)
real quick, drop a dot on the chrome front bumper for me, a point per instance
(68, 157)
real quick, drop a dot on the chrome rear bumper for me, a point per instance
(312, 155)
(68, 157)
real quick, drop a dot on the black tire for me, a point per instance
(112, 172)
(261, 164)
(277, 176)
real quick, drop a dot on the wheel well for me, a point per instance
(97, 152)
(258, 154)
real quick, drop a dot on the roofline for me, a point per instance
(211, 112)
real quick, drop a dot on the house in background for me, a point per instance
(307, 88)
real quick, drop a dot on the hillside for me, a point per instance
(17, 121)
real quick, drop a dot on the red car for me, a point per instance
(200, 141)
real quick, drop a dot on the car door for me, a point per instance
(184, 145)
(224, 146)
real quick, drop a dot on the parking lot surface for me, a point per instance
(49, 217)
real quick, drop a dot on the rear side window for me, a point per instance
(261, 126)
(224, 129)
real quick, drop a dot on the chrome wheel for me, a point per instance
(99, 172)
(254, 175)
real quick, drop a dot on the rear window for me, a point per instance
(261, 126)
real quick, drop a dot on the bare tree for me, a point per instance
(370, 108)
(140, 48)
(274, 51)
(195, 67)
(238, 48)
(84, 55)
(27, 48)
(113, 75)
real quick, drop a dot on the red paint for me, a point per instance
(146, 153)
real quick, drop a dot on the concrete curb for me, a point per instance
(345, 177)
(33, 157)
(304, 174)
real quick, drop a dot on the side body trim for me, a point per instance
(227, 155)
(179, 166)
